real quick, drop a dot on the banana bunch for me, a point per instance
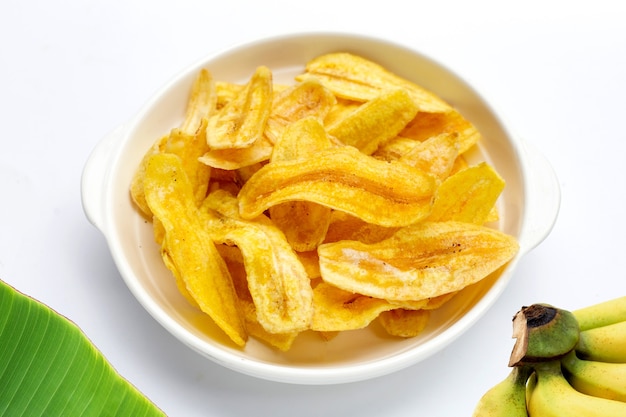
(564, 364)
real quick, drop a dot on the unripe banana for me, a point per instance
(543, 333)
(600, 379)
(507, 398)
(604, 344)
(550, 395)
(601, 314)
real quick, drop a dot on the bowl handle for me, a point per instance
(95, 174)
(543, 195)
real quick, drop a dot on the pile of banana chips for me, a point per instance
(320, 206)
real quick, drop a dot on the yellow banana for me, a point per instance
(601, 314)
(507, 398)
(600, 379)
(550, 395)
(604, 344)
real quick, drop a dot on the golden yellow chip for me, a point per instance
(234, 260)
(311, 263)
(435, 155)
(344, 226)
(189, 246)
(226, 92)
(189, 148)
(420, 261)
(202, 103)
(242, 121)
(304, 223)
(188, 142)
(341, 110)
(404, 323)
(338, 310)
(237, 158)
(306, 99)
(136, 186)
(468, 196)
(425, 304)
(357, 78)
(279, 285)
(342, 178)
(428, 124)
(376, 121)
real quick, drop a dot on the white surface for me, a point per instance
(72, 71)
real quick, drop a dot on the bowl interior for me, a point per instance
(351, 355)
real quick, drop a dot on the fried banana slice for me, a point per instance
(426, 125)
(201, 104)
(242, 120)
(340, 110)
(189, 247)
(404, 323)
(339, 310)
(420, 261)
(468, 196)
(234, 260)
(376, 121)
(137, 193)
(188, 141)
(436, 155)
(189, 147)
(237, 158)
(353, 77)
(304, 223)
(305, 99)
(342, 178)
(277, 280)
(344, 226)
(425, 304)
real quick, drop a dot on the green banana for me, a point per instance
(601, 314)
(549, 394)
(507, 398)
(600, 379)
(543, 333)
(604, 344)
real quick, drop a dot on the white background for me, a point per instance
(71, 71)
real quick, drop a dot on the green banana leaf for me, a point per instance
(49, 368)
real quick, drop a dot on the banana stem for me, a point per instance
(543, 333)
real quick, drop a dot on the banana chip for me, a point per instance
(234, 260)
(468, 196)
(428, 124)
(242, 120)
(376, 121)
(342, 178)
(356, 78)
(237, 158)
(188, 142)
(304, 223)
(339, 310)
(344, 226)
(436, 155)
(404, 323)
(189, 246)
(305, 99)
(201, 104)
(420, 261)
(277, 280)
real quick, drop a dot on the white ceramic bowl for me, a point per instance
(528, 209)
